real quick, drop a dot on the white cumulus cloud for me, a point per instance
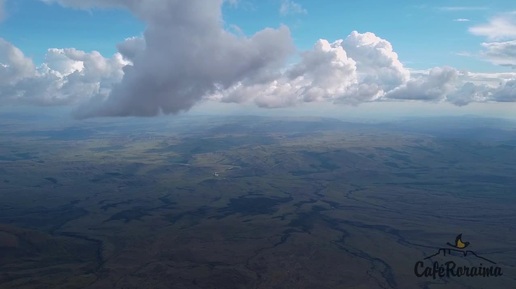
(469, 92)
(462, 8)
(14, 66)
(66, 76)
(506, 92)
(500, 53)
(433, 86)
(360, 68)
(500, 27)
(291, 7)
(185, 56)
(501, 32)
(324, 73)
(377, 63)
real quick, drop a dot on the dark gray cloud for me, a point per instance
(187, 55)
(131, 47)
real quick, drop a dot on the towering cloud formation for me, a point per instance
(187, 55)
(324, 73)
(360, 68)
(377, 61)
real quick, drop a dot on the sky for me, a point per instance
(145, 58)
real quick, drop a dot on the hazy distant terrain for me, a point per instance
(253, 202)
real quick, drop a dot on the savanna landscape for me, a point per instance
(253, 202)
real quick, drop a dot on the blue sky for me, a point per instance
(425, 35)
(34, 26)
